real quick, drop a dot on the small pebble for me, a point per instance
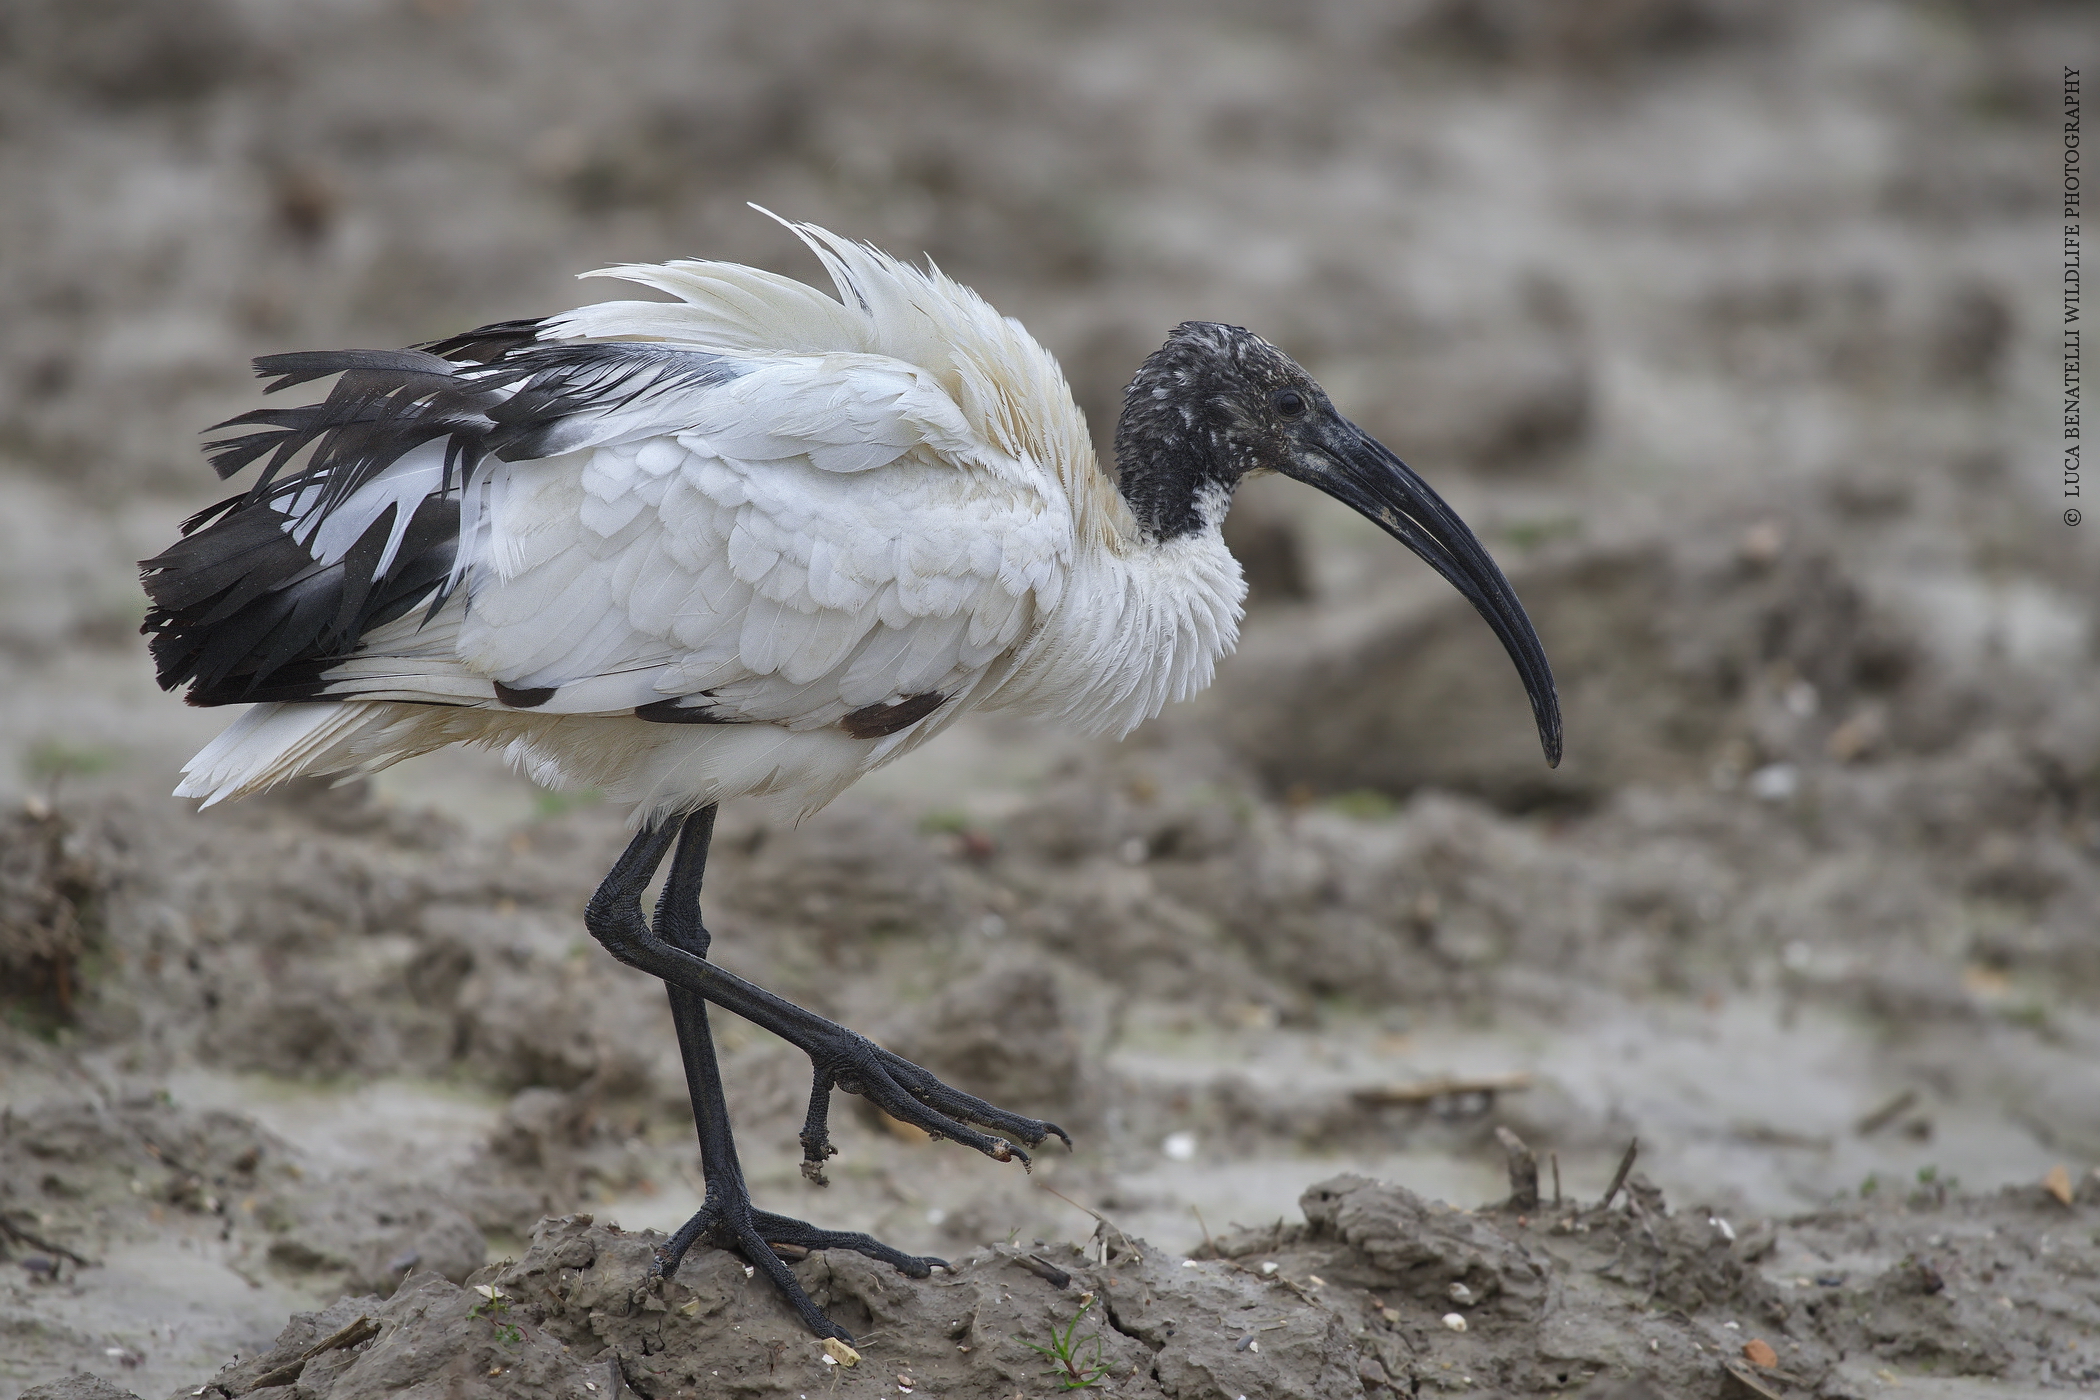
(1269, 1267)
(1460, 1293)
(1455, 1322)
(1758, 1352)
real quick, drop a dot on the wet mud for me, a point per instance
(1716, 320)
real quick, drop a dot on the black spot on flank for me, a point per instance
(530, 699)
(678, 712)
(878, 721)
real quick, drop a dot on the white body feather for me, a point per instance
(894, 496)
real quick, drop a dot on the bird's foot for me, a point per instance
(767, 1241)
(847, 1060)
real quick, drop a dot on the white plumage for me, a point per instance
(889, 495)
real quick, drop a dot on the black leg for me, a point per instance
(838, 1057)
(726, 1219)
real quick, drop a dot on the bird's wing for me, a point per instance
(801, 540)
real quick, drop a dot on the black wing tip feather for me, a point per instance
(303, 366)
(486, 344)
(243, 611)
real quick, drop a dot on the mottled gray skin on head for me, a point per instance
(1198, 418)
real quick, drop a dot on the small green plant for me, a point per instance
(1076, 1362)
(1933, 1186)
(1529, 534)
(946, 821)
(549, 805)
(1363, 804)
(1870, 1186)
(2028, 1015)
(52, 761)
(493, 1305)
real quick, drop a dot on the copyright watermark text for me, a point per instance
(2073, 272)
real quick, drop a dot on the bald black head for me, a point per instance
(1211, 406)
(1216, 404)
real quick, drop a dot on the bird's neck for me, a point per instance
(1166, 470)
(1133, 630)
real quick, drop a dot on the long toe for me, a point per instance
(953, 1104)
(760, 1256)
(781, 1229)
(758, 1233)
(671, 1253)
(755, 1234)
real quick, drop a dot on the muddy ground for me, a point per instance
(1729, 326)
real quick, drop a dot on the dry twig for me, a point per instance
(1618, 1178)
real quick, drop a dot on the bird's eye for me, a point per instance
(1288, 402)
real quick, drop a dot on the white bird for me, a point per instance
(753, 542)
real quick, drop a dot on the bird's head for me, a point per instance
(1217, 404)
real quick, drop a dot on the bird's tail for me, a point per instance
(275, 743)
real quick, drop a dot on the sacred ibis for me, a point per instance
(752, 542)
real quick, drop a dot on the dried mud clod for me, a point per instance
(1377, 1293)
(79, 1386)
(569, 1316)
(78, 1175)
(53, 874)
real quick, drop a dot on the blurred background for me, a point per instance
(1730, 325)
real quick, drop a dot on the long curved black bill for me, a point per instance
(1363, 474)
